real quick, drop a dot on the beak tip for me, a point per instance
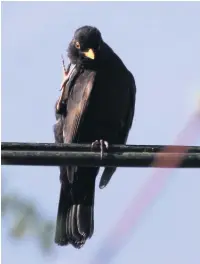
(90, 54)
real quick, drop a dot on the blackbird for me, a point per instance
(96, 106)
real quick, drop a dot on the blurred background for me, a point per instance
(159, 43)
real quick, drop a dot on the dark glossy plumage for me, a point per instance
(99, 103)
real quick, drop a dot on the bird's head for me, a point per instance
(85, 44)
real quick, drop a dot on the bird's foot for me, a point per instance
(102, 144)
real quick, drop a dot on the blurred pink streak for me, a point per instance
(115, 241)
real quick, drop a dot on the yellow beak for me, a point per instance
(90, 54)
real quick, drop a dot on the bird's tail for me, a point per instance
(63, 207)
(75, 220)
(80, 224)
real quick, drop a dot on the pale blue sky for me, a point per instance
(159, 43)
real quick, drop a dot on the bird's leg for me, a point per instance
(102, 144)
(65, 79)
(65, 73)
(95, 143)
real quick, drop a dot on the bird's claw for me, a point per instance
(102, 144)
(95, 143)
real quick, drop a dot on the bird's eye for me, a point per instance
(77, 45)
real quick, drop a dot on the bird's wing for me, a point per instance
(78, 98)
(77, 103)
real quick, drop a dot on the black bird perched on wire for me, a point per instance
(96, 106)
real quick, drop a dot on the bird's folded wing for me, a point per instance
(77, 103)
